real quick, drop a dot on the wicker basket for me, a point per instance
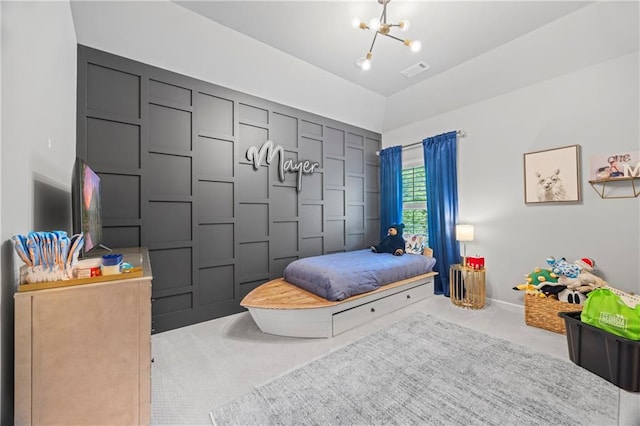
(542, 312)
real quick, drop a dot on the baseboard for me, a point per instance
(502, 302)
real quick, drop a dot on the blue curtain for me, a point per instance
(442, 204)
(390, 188)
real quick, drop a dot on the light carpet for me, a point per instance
(428, 371)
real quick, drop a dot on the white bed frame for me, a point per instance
(283, 309)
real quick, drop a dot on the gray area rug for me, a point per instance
(426, 371)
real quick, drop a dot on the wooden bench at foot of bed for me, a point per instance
(283, 309)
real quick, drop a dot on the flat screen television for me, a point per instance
(87, 205)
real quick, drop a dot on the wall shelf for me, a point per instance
(615, 185)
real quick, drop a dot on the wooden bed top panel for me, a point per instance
(279, 294)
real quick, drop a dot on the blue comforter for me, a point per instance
(341, 275)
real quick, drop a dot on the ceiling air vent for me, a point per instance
(415, 69)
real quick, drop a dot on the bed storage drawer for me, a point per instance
(358, 315)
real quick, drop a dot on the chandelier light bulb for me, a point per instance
(364, 63)
(374, 24)
(404, 25)
(416, 45)
(355, 22)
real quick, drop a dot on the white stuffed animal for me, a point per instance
(586, 281)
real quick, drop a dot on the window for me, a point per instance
(414, 200)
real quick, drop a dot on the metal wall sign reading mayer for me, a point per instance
(268, 152)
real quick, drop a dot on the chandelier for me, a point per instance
(382, 27)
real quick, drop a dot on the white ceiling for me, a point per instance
(320, 32)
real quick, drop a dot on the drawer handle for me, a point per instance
(408, 296)
(373, 309)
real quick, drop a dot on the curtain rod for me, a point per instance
(461, 133)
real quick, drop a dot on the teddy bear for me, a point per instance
(569, 282)
(393, 243)
(538, 281)
(585, 281)
(576, 287)
(572, 296)
(563, 268)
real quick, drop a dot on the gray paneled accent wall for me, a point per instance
(172, 154)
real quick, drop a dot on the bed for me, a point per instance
(323, 296)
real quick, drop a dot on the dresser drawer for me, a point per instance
(358, 315)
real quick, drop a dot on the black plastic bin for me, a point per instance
(611, 357)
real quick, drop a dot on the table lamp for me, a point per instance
(464, 233)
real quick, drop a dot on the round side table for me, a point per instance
(467, 287)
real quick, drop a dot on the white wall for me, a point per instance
(597, 108)
(165, 35)
(38, 136)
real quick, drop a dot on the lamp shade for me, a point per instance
(464, 232)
